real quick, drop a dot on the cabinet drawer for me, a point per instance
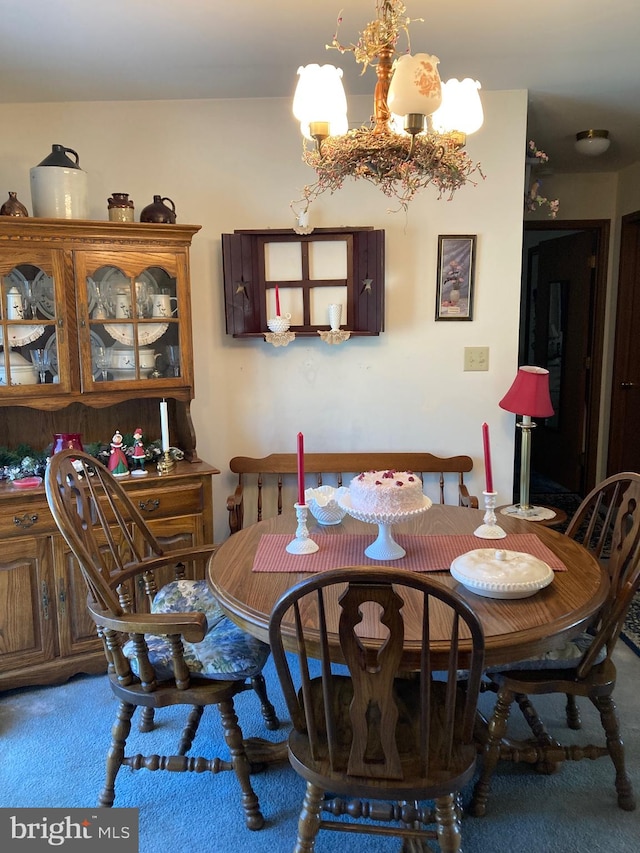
(180, 500)
(26, 519)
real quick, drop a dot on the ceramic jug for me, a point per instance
(120, 208)
(13, 206)
(59, 186)
(158, 211)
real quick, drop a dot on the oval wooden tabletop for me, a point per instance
(514, 628)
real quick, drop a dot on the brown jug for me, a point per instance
(13, 207)
(159, 212)
(120, 208)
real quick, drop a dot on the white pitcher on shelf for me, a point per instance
(15, 304)
(162, 305)
(123, 305)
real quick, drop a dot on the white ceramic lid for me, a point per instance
(498, 573)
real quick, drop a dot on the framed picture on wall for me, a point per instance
(456, 267)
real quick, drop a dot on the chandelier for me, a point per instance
(417, 134)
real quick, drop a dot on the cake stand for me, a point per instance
(384, 547)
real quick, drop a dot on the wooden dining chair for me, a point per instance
(378, 739)
(608, 524)
(167, 642)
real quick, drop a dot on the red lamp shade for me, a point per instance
(529, 394)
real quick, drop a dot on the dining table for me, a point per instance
(251, 569)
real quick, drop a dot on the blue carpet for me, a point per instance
(54, 741)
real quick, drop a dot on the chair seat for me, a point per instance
(566, 657)
(438, 780)
(226, 652)
(599, 680)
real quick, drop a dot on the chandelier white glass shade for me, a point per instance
(415, 90)
(319, 103)
(461, 108)
(409, 87)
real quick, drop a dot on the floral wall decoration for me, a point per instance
(533, 199)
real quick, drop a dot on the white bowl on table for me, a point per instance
(323, 503)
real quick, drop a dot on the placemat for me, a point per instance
(424, 553)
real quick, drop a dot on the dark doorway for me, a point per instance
(624, 447)
(562, 329)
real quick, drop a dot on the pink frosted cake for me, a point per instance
(389, 492)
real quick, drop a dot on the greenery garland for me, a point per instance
(25, 461)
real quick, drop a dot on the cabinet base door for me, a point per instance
(27, 603)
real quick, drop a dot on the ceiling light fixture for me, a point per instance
(400, 157)
(592, 142)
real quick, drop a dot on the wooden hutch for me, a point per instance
(109, 306)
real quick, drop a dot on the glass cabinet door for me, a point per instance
(133, 319)
(31, 314)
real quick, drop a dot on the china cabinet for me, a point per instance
(95, 331)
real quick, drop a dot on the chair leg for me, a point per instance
(448, 824)
(115, 756)
(609, 718)
(233, 739)
(146, 723)
(573, 713)
(543, 738)
(309, 820)
(496, 731)
(190, 729)
(268, 711)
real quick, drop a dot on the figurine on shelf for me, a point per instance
(138, 455)
(117, 460)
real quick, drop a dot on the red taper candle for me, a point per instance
(300, 469)
(487, 458)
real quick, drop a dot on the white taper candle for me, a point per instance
(164, 425)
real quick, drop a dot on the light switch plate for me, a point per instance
(476, 358)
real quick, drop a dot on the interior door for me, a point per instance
(561, 306)
(624, 447)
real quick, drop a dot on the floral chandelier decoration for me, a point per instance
(401, 161)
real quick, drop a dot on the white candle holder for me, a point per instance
(302, 544)
(490, 529)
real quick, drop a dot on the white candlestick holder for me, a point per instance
(490, 529)
(302, 544)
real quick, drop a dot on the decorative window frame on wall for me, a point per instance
(249, 291)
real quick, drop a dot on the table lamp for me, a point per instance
(528, 397)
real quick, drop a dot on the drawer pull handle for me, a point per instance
(149, 506)
(26, 521)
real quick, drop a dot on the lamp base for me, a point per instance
(529, 513)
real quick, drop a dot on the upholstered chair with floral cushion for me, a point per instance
(166, 639)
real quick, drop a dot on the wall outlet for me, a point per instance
(476, 358)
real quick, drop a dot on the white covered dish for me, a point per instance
(498, 573)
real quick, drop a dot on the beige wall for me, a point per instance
(236, 164)
(629, 193)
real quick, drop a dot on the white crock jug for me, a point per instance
(59, 186)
